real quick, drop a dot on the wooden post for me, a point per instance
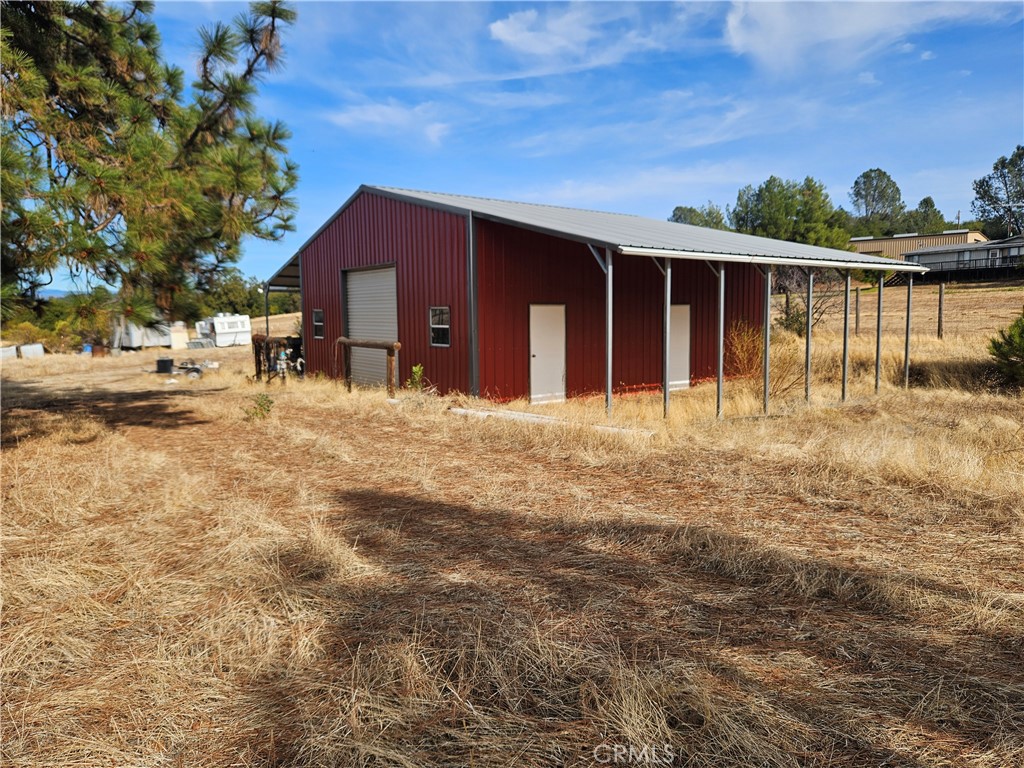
(391, 374)
(346, 343)
(257, 353)
(856, 328)
(942, 306)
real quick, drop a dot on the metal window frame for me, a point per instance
(431, 326)
(322, 324)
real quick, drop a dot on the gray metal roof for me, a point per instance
(636, 235)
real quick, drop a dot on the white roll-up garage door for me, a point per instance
(372, 303)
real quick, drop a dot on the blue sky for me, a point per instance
(634, 107)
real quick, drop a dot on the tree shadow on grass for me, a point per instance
(524, 625)
(975, 375)
(32, 410)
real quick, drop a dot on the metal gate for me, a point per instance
(372, 305)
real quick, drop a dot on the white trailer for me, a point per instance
(226, 330)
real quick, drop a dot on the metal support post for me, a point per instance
(667, 334)
(846, 334)
(606, 266)
(906, 340)
(765, 363)
(721, 339)
(878, 335)
(942, 306)
(608, 301)
(807, 340)
(266, 305)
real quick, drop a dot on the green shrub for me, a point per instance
(1008, 350)
(794, 322)
(60, 339)
(26, 333)
(416, 380)
(262, 404)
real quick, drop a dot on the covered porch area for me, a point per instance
(767, 266)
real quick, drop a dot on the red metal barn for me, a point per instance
(509, 300)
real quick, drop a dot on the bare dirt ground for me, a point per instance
(348, 582)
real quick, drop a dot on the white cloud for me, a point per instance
(785, 38)
(868, 78)
(927, 56)
(561, 39)
(435, 132)
(556, 34)
(551, 40)
(678, 121)
(393, 118)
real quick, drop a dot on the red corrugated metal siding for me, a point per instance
(695, 284)
(427, 248)
(518, 267)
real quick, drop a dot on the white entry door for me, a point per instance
(679, 347)
(372, 315)
(547, 353)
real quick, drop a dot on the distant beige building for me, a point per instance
(896, 246)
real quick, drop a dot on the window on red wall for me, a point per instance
(318, 323)
(440, 326)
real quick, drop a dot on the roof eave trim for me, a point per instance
(402, 197)
(293, 261)
(895, 266)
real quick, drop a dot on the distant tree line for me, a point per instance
(802, 211)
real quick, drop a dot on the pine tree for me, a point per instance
(799, 212)
(878, 204)
(926, 219)
(112, 171)
(1007, 349)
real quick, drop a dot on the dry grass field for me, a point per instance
(331, 580)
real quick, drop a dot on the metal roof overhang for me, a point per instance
(742, 258)
(739, 258)
(287, 277)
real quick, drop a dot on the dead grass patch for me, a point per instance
(350, 582)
